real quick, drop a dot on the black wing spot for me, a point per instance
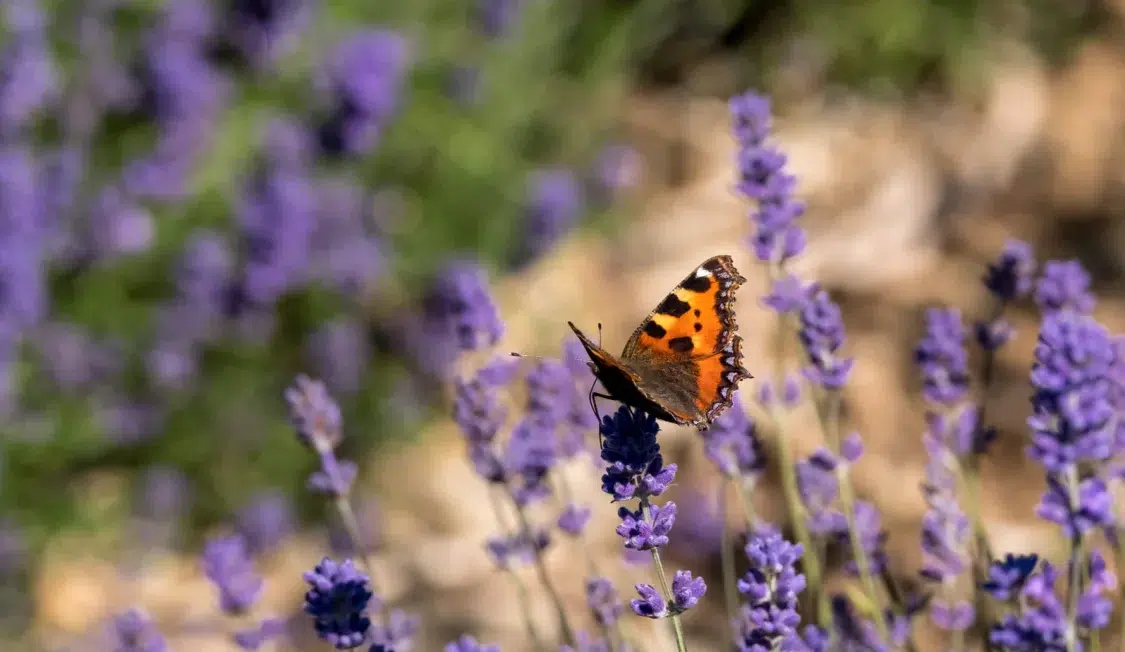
(681, 344)
(697, 313)
(655, 330)
(673, 306)
(698, 327)
(697, 283)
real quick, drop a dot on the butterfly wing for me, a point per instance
(688, 351)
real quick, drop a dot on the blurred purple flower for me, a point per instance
(345, 254)
(264, 30)
(942, 357)
(397, 635)
(1009, 278)
(257, 636)
(469, 644)
(276, 215)
(364, 77)
(73, 359)
(573, 519)
(1064, 285)
(226, 562)
(763, 178)
(338, 353)
(603, 602)
(530, 455)
(23, 292)
(522, 547)
(617, 168)
(118, 226)
(28, 76)
(553, 206)
(819, 488)
(1041, 622)
(459, 306)
(133, 631)
(265, 521)
(772, 585)
(732, 445)
(587, 643)
(550, 391)
(1006, 576)
(822, 334)
(478, 406)
(165, 493)
(496, 18)
(1089, 506)
(700, 525)
(314, 414)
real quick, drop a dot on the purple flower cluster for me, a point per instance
(769, 618)
(553, 206)
(822, 335)
(227, 563)
(316, 418)
(942, 358)
(636, 470)
(363, 80)
(338, 601)
(133, 631)
(1064, 286)
(733, 446)
(763, 179)
(1039, 620)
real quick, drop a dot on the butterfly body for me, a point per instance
(684, 361)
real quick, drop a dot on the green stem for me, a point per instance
(521, 587)
(677, 626)
(1070, 474)
(544, 577)
(830, 422)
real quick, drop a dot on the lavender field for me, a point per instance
(263, 265)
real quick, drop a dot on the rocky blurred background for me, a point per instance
(200, 199)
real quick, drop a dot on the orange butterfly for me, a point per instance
(684, 361)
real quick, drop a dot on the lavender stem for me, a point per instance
(726, 557)
(677, 626)
(521, 587)
(544, 577)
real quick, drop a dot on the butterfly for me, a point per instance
(684, 361)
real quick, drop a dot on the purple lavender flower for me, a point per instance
(1093, 507)
(203, 277)
(822, 335)
(1009, 278)
(227, 563)
(397, 635)
(478, 407)
(338, 351)
(1007, 576)
(553, 206)
(261, 633)
(790, 392)
(819, 488)
(118, 225)
(942, 357)
(264, 30)
(617, 168)
(686, 590)
(530, 455)
(645, 531)
(28, 77)
(522, 547)
(550, 391)
(313, 413)
(1040, 623)
(346, 254)
(364, 77)
(651, 604)
(603, 602)
(1071, 405)
(1064, 285)
(771, 586)
(458, 306)
(636, 468)
(496, 17)
(732, 445)
(276, 214)
(23, 291)
(469, 644)
(1095, 604)
(763, 178)
(265, 521)
(133, 631)
(338, 601)
(788, 295)
(573, 519)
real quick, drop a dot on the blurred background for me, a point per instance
(200, 199)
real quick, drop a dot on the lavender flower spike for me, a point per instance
(942, 357)
(1065, 285)
(227, 563)
(469, 644)
(636, 468)
(132, 631)
(822, 334)
(763, 178)
(338, 602)
(770, 618)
